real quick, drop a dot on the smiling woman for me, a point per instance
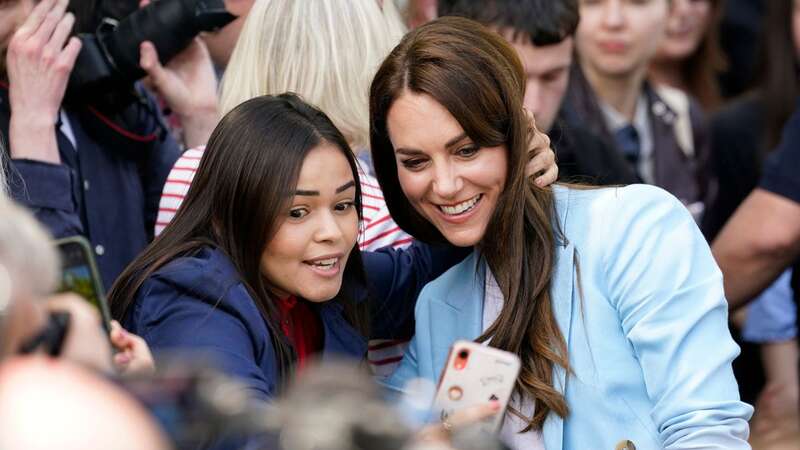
(261, 270)
(610, 297)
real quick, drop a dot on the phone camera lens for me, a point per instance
(463, 354)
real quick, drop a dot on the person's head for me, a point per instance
(691, 45)
(541, 31)
(616, 39)
(778, 81)
(449, 144)
(46, 403)
(28, 273)
(324, 50)
(221, 42)
(12, 15)
(278, 192)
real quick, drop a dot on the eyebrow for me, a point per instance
(448, 144)
(339, 190)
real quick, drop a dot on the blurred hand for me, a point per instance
(188, 85)
(440, 433)
(133, 354)
(86, 341)
(543, 160)
(39, 65)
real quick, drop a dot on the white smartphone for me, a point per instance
(476, 374)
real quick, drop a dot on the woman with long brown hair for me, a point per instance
(689, 58)
(610, 297)
(260, 270)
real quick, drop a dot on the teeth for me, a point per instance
(327, 263)
(461, 207)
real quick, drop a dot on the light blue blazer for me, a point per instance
(646, 326)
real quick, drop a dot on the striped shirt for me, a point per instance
(377, 231)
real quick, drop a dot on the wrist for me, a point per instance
(197, 127)
(33, 138)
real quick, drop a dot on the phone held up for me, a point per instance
(79, 275)
(476, 374)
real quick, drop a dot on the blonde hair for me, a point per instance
(3, 167)
(326, 51)
(27, 254)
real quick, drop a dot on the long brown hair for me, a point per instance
(779, 83)
(477, 76)
(244, 184)
(700, 70)
(703, 67)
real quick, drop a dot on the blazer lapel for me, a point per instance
(463, 306)
(562, 300)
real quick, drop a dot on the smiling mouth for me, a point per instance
(324, 264)
(462, 207)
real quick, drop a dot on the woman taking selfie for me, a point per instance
(260, 270)
(618, 313)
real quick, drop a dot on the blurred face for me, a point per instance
(547, 73)
(12, 14)
(617, 38)
(686, 26)
(308, 254)
(448, 179)
(220, 43)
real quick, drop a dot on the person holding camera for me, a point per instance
(91, 166)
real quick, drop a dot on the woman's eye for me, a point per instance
(344, 206)
(412, 164)
(298, 213)
(468, 151)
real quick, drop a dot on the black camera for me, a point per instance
(109, 58)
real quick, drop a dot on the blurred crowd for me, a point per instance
(170, 136)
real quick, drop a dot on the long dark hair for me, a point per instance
(477, 76)
(244, 183)
(701, 69)
(779, 70)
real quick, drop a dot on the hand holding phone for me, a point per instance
(79, 275)
(475, 375)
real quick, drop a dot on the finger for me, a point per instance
(122, 359)
(148, 59)
(66, 60)
(35, 19)
(543, 159)
(473, 414)
(50, 21)
(61, 33)
(547, 178)
(531, 119)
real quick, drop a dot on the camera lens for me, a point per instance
(463, 354)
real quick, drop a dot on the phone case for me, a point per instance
(71, 244)
(485, 374)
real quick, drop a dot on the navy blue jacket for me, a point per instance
(198, 304)
(107, 189)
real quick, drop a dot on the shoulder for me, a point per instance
(204, 279)
(589, 200)
(741, 112)
(585, 212)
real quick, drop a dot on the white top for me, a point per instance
(512, 425)
(641, 122)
